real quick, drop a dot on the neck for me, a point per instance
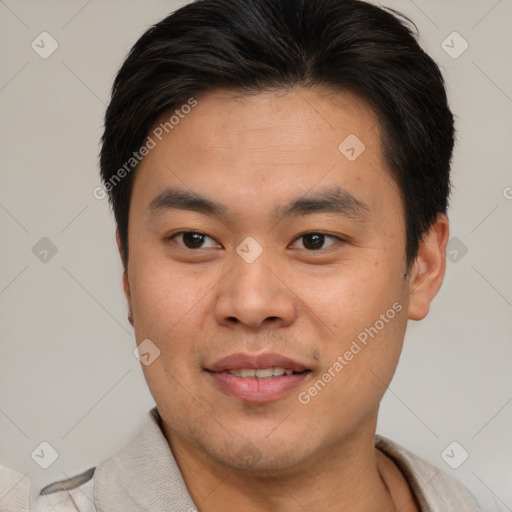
(346, 476)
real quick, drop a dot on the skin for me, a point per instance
(251, 154)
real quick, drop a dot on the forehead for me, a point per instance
(293, 119)
(232, 143)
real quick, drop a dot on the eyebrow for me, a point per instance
(331, 200)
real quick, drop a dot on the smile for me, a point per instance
(263, 373)
(257, 378)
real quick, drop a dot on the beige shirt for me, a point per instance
(144, 476)
(14, 491)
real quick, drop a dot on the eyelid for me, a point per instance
(298, 237)
(184, 231)
(328, 235)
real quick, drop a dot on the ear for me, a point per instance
(427, 271)
(126, 284)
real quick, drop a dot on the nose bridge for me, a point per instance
(252, 294)
(253, 280)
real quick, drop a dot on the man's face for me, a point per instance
(329, 281)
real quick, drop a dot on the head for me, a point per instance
(279, 174)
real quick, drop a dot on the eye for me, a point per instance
(315, 241)
(193, 239)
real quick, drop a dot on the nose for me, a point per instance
(255, 295)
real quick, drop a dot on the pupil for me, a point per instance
(314, 241)
(193, 240)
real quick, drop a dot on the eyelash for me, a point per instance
(326, 235)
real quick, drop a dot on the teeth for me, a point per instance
(262, 373)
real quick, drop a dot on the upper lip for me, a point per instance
(255, 361)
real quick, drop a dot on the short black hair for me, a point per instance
(251, 46)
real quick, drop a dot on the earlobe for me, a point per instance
(427, 272)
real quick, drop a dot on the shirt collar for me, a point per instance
(143, 476)
(435, 490)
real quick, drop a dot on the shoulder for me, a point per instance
(71, 494)
(435, 490)
(114, 480)
(14, 490)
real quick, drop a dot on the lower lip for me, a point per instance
(258, 390)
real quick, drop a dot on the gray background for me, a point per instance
(67, 372)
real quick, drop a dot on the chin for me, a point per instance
(261, 456)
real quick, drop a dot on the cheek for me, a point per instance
(165, 300)
(350, 299)
(168, 310)
(358, 367)
(361, 316)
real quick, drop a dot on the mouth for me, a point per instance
(262, 373)
(257, 378)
